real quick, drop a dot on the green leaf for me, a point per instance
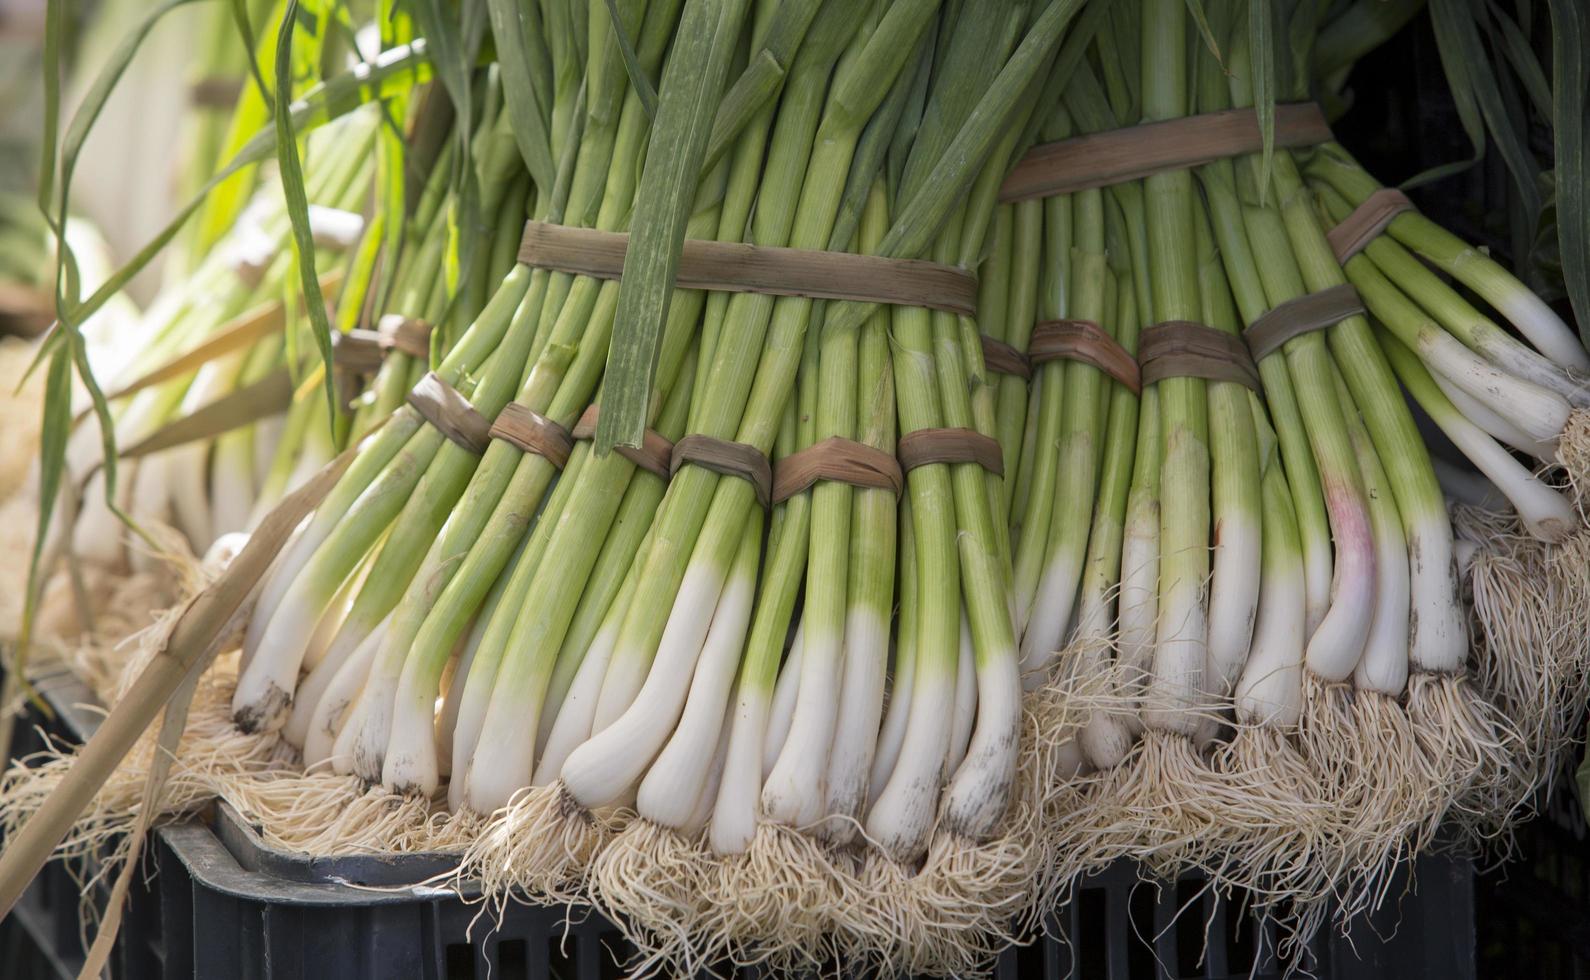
(637, 74)
(1520, 54)
(1570, 36)
(297, 202)
(53, 28)
(1261, 52)
(691, 90)
(57, 426)
(1201, 18)
(1479, 101)
(55, 193)
(508, 30)
(245, 31)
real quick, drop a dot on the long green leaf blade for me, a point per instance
(1570, 22)
(691, 90)
(297, 201)
(529, 126)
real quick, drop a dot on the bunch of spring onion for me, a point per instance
(1301, 582)
(588, 629)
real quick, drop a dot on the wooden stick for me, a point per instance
(200, 630)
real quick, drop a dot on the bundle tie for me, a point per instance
(440, 404)
(736, 267)
(1299, 316)
(735, 459)
(529, 431)
(1134, 152)
(1001, 358)
(926, 446)
(838, 459)
(1366, 222)
(1085, 341)
(362, 351)
(655, 450)
(1184, 349)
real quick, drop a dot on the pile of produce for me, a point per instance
(815, 479)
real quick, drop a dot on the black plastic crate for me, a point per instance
(214, 901)
(1534, 911)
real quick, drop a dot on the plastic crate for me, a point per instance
(216, 902)
(1533, 913)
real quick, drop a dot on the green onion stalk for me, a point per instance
(545, 355)
(698, 527)
(1418, 306)
(1234, 479)
(1468, 265)
(357, 513)
(545, 592)
(1543, 509)
(871, 573)
(1106, 735)
(653, 871)
(1439, 637)
(330, 638)
(1075, 452)
(1014, 406)
(1176, 686)
(933, 693)
(754, 743)
(396, 743)
(1309, 417)
(793, 792)
(576, 691)
(1043, 464)
(1462, 733)
(1415, 623)
(1531, 396)
(980, 759)
(627, 672)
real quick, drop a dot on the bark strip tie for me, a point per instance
(1296, 317)
(1133, 152)
(529, 431)
(1184, 349)
(740, 268)
(926, 446)
(1001, 358)
(839, 459)
(1085, 341)
(1366, 222)
(440, 404)
(728, 458)
(654, 453)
